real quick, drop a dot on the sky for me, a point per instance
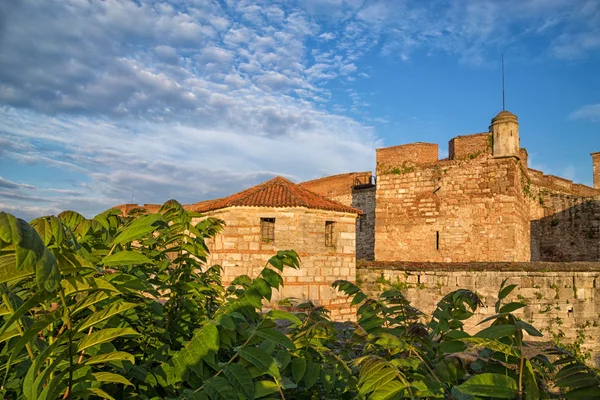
(105, 102)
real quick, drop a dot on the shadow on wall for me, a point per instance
(572, 234)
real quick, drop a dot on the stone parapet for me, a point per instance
(560, 297)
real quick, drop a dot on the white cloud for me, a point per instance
(589, 112)
(327, 36)
(177, 98)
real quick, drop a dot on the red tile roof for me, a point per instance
(278, 192)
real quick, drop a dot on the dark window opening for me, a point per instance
(361, 222)
(437, 240)
(329, 227)
(267, 230)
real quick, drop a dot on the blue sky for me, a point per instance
(198, 99)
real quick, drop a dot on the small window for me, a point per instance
(267, 230)
(329, 227)
(437, 240)
(361, 222)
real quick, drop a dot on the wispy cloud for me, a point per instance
(589, 112)
(191, 100)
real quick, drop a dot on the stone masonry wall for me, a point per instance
(596, 167)
(389, 158)
(470, 146)
(239, 250)
(363, 198)
(338, 187)
(559, 297)
(451, 211)
(564, 226)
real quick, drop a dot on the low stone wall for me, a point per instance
(559, 296)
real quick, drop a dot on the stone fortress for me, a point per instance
(481, 204)
(429, 226)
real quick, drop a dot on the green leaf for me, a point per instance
(205, 341)
(272, 278)
(389, 391)
(71, 219)
(137, 229)
(490, 385)
(109, 357)
(82, 284)
(126, 258)
(529, 329)
(284, 315)
(506, 291)
(241, 379)
(109, 377)
(298, 368)
(264, 362)
(115, 308)
(47, 274)
(218, 388)
(103, 336)
(33, 301)
(497, 331)
(9, 229)
(510, 307)
(276, 337)
(100, 393)
(9, 271)
(264, 388)
(313, 370)
(531, 387)
(491, 344)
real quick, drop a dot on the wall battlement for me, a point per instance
(470, 146)
(406, 154)
(481, 203)
(596, 166)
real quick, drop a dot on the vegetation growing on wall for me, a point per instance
(119, 307)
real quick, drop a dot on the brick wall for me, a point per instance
(338, 187)
(407, 154)
(596, 166)
(363, 198)
(569, 293)
(470, 146)
(564, 226)
(471, 210)
(239, 250)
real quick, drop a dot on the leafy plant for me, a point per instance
(124, 306)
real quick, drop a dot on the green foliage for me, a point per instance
(120, 307)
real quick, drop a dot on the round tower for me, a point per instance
(505, 135)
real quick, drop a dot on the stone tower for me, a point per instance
(505, 135)
(596, 161)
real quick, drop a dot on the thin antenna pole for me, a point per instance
(503, 103)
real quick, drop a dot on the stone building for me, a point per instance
(482, 203)
(280, 215)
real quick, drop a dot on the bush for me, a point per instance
(120, 307)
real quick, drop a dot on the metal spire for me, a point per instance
(503, 103)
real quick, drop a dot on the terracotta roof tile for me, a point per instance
(278, 192)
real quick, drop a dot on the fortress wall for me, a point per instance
(470, 210)
(240, 251)
(406, 154)
(363, 198)
(565, 227)
(551, 183)
(565, 219)
(338, 187)
(559, 297)
(471, 146)
(596, 169)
